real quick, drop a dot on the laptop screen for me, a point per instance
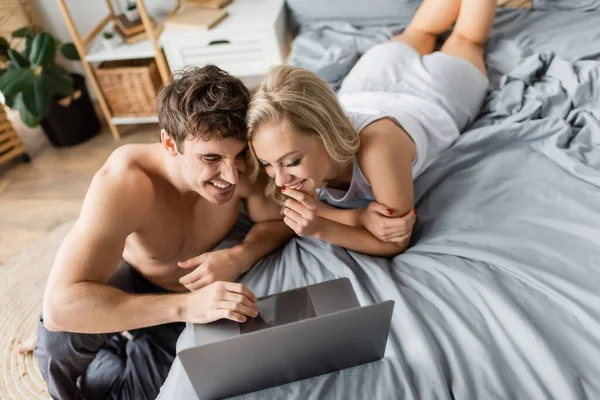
(280, 309)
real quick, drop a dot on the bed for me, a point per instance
(499, 295)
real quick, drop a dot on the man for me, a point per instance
(140, 259)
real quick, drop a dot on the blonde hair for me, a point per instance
(298, 99)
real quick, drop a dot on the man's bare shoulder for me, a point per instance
(123, 168)
(124, 181)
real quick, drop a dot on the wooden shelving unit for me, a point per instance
(13, 15)
(10, 143)
(91, 51)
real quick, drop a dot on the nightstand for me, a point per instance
(246, 43)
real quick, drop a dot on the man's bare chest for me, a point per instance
(175, 233)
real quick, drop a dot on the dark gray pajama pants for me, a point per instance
(109, 366)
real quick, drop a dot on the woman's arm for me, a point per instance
(351, 217)
(301, 215)
(357, 239)
(386, 160)
(385, 157)
(377, 218)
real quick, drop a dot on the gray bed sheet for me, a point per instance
(585, 5)
(516, 34)
(498, 297)
(330, 48)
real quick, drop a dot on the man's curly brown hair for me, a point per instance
(203, 103)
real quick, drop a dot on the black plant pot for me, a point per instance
(74, 124)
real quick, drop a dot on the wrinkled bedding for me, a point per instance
(330, 48)
(498, 297)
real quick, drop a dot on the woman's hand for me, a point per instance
(384, 225)
(300, 212)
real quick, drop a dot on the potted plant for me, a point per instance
(110, 40)
(43, 92)
(131, 11)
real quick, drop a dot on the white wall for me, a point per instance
(86, 14)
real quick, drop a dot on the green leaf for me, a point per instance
(22, 32)
(4, 46)
(43, 50)
(15, 81)
(27, 116)
(69, 51)
(28, 44)
(60, 81)
(3, 71)
(18, 59)
(9, 101)
(37, 100)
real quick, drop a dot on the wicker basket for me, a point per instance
(10, 143)
(130, 86)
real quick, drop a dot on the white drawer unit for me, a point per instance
(246, 43)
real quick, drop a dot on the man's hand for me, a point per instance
(220, 300)
(301, 212)
(220, 265)
(384, 225)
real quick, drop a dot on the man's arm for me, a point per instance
(267, 234)
(262, 239)
(77, 298)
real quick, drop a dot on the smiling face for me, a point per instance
(211, 168)
(292, 159)
(298, 131)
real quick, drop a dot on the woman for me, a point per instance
(405, 101)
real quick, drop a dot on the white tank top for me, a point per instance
(435, 133)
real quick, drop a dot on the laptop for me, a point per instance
(298, 334)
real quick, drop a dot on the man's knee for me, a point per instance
(51, 344)
(65, 346)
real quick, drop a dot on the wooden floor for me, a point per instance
(37, 197)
